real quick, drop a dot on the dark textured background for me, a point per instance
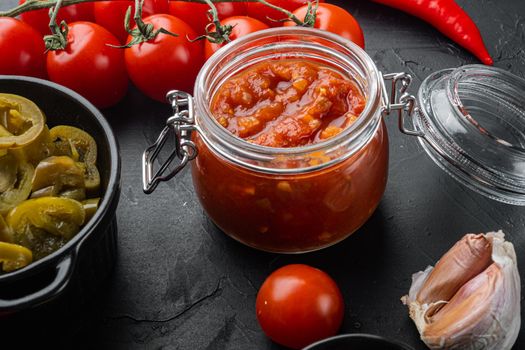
(181, 284)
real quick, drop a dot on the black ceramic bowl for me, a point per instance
(79, 267)
(357, 342)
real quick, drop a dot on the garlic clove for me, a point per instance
(484, 313)
(465, 313)
(466, 259)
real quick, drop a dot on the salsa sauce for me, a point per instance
(290, 103)
(287, 103)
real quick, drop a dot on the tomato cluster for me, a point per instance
(92, 65)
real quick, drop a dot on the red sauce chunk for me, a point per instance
(287, 103)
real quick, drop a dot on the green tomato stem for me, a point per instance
(219, 34)
(58, 38)
(311, 14)
(138, 17)
(53, 21)
(144, 31)
(290, 15)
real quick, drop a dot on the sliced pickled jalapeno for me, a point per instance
(59, 176)
(90, 207)
(78, 194)
(44, 192)
(44, 225)
(3, 133)
(6, 234)
(8, 172)
(81, 147)
(14, 256)
(15, 182)
(91, 177)
(38, 149)
(56, 216)
(21, 121)
(75, 143)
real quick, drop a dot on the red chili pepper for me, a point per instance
(449, 19)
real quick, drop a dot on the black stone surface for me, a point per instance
(181, 284)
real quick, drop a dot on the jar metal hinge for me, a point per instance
(400, 100)
(181, 125)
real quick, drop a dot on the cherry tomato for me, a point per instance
(89, 66)
(39, 19)
(266, 14)
(166, 62)
(336, 20)
(23, 49)
(196, 15)
(298, 305)
(111, 14)
(242, 25)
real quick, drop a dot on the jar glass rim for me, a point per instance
(367, 116)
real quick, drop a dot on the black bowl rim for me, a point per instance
(112, 189)
(357, 335)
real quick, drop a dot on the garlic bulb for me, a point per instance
(471, 299)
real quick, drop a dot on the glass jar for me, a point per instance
(290, 199)
(305, 198)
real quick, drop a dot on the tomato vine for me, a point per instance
(143, 32)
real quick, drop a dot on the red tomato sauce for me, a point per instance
(290, 103)
(287, 103)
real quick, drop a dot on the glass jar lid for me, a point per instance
(472, 124)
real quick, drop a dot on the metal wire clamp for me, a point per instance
(180, 125)
(400, 100)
